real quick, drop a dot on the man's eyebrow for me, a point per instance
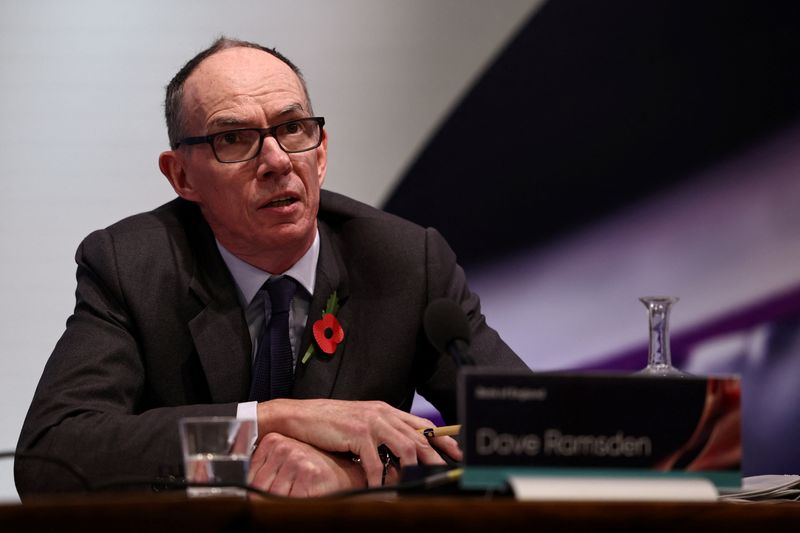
(291, 110)
(228, 121)
(238, 122)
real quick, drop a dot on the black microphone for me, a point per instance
(448, 330)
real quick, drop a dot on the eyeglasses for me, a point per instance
(234, 146)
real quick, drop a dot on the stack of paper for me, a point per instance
(761, 488)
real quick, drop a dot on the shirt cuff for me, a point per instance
(247, 411)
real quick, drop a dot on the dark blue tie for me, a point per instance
(272, 369)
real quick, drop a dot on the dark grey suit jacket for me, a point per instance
(158, 334)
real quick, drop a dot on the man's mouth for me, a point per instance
(280, 202)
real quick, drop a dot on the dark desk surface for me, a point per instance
(175, 513)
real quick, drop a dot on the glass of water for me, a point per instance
(217, 450)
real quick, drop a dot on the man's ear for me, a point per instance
(322, 157)
(171, 165)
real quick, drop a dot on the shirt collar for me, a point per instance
(250, 279)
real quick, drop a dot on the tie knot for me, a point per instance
(281, 292)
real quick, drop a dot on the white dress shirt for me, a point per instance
(256, 305)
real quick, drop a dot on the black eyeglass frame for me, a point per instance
(263, 132)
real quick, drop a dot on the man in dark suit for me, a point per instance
(167, 318)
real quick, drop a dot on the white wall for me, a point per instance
(81, 89)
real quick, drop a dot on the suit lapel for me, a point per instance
(219, 330)
(316, 377)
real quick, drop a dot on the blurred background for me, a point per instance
(576, 155)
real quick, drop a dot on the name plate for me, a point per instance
(598, 425)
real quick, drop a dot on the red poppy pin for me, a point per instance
(328, 332)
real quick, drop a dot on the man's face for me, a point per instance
(263, 210)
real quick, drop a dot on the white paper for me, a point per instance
(544, 488)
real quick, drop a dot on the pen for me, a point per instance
(442, 431)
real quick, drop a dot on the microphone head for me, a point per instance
(444, 323)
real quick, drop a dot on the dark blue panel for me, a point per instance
(595, 105)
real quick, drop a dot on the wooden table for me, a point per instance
(176, 513)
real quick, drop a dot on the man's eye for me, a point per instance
(293, 127)
(231, 137)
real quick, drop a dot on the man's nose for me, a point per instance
(272, 158)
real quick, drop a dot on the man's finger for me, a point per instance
(267, 460)
(284, 479)
(372, 465)
(405, 446)
(449, 446)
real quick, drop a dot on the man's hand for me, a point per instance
(287, 467)
(356, 427)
